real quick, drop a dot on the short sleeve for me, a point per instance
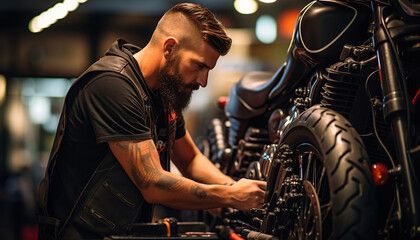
(115, 110)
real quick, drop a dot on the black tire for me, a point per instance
(338, 148)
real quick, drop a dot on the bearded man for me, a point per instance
(121, 124)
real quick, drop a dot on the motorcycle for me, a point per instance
(335, 131)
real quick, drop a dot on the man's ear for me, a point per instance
(169, 46)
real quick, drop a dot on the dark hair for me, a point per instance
(212, 30)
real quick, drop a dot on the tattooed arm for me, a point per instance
(141, 162)
(194, 165)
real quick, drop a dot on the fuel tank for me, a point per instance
(323, 28)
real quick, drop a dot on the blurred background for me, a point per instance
(46, 44)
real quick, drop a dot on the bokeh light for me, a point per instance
(246, 6)
(266, 29)
(286, 22)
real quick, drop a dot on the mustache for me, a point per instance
(193, 86)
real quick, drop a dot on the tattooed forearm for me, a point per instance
(198, 191)
(144, 180)
(168, 182)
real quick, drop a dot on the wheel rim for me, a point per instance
(314, 220)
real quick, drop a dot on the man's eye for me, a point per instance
(200, 66)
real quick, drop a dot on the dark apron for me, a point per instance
(109, 202)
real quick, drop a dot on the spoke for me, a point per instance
(321, 178)
(327, 205)
(314, 175)
(308, 166)
(325, 209)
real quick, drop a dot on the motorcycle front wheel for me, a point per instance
(329, 160)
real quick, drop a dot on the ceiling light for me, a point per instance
(50, 16)
(71, 5)
(268, 1)
(245, 6)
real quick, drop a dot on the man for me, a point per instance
(122, 121)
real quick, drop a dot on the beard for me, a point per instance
(174, 93)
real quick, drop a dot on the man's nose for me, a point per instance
(202, 79)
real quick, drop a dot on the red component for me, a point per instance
(234, 236)
(416, 97)
(29, 232)
(380, 74)
(380, 174)
(221, 102)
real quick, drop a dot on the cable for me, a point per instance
(374, 117)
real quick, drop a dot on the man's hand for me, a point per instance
(248, 194)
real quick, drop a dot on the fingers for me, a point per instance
(259, 199)
(252, 193)
(258, 202)
(262, 185)
(261, 194)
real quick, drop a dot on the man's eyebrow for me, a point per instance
(202, 64)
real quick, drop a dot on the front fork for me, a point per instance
(396, 113)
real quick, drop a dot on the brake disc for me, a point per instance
(310, 220)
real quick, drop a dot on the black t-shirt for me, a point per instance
(106, 109)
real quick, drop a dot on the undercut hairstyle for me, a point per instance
(211, 29)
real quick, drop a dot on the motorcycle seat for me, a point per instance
(249, 96)
(254, 87)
